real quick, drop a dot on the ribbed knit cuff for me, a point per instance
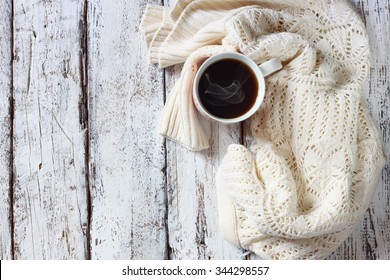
(227, 214)
(158, 40)
(155, 27)
(151, 22)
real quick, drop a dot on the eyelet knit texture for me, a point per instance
(317, 155)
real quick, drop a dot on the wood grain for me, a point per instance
(5, 129)
(371, 240)
(50, 211)
(127, 156)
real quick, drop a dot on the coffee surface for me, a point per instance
(228, 88)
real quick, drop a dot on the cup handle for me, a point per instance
(271, 66)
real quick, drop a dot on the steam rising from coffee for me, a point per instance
(228, 88)
(219, 95)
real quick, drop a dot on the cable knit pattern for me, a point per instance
(317, 155)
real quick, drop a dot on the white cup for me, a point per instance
(260, 71)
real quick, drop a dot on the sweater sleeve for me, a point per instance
(186, 27)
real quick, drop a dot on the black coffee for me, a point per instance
(228, 88)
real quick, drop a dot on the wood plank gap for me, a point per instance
(84, 117)
(168, 250)
(11, 149)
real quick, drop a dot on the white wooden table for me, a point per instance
(83, 172)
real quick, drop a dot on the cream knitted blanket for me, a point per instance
(317, 155)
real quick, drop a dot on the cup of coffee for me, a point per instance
(230, 87)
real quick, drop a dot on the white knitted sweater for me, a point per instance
(317, 155)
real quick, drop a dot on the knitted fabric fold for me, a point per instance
(316, 157)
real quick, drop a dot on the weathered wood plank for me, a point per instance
(371, 240)
(50, 209)
(193, 226)
(127, 156)
(5, 128)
